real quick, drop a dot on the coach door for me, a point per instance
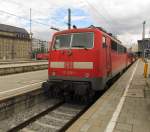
(106, 45)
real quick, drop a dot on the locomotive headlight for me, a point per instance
(53, 73)
(87, 75)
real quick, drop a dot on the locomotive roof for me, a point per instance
(93, 27)
(106, 33)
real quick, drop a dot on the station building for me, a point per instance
(39, 45)
(15, 43)
(144, 47)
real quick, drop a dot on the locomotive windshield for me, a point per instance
(74, 40)
(62, 41)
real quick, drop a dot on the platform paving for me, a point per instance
(14, 68)
(125, 107)
(4, 62)
(22, 64)
(135, 114)
(11, 85)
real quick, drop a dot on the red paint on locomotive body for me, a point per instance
(75, 60)
(97, 60)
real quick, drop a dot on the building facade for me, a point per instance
(144, 47)
(40, 45)
(15, 43)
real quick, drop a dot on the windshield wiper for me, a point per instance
(80, 46)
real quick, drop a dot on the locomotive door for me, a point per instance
(108, 55)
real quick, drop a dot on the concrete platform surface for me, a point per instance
(22, 64)
(125, 107)
(2, 62)
(16, 84)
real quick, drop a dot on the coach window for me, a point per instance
(104, 42)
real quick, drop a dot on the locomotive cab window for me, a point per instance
(62, 41)
(74, 40)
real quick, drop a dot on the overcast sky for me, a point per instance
(121, 17)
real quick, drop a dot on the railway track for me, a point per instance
(56, 118)
(33, 111)
(40, 113)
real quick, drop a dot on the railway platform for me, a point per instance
(124, 107)
(22, 67)
(16, 84)
(3, 62)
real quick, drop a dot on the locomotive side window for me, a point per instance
(82, 40)
(62, 41)
(124, 50)
(114, 45)
(121, 49)
(104, 42)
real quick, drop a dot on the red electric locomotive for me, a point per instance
(82, 61)
(42, 56)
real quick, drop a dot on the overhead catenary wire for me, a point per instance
(108, 21)
(29, 20)
(35, 11)
(20, 17)
(22, 5)
(108, 14)
(97, 12)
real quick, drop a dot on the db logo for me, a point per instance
(69, 52)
